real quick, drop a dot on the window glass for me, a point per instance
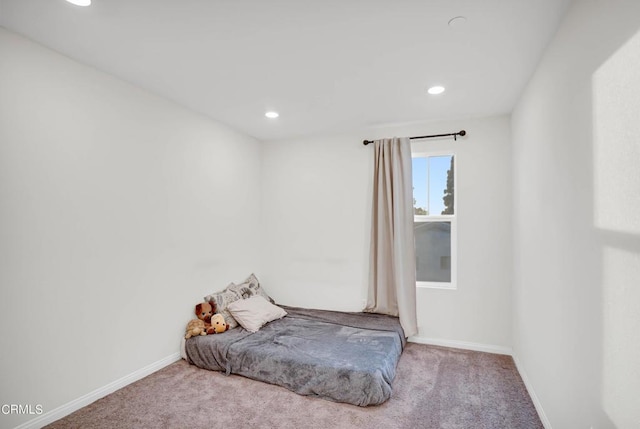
(434, 220)
(433, 251)
(433, 185)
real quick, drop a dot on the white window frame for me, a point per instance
(453, 284)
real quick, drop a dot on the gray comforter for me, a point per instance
(343, 357)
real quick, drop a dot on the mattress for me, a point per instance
(343, 357)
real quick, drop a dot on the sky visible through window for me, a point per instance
(429, 182)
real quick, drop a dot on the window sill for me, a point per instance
(434, 285)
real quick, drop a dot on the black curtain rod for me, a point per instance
(460, 133)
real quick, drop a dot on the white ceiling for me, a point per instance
(326, 65)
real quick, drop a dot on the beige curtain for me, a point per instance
(392, 271)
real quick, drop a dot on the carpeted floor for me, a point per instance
(435, 387)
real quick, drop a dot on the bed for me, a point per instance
(342, 357)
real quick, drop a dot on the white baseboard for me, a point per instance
(487, 348)
(532, 394)
(68, 408)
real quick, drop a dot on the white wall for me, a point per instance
(576, 210)
(118, 212)
(316, 213)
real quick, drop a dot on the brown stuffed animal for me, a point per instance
(204, 311)
(218, 324)
(195, 327)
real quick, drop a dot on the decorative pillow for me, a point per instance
(222, 300)
(248, 288)
(253, 313)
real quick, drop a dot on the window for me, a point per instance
(434, 220)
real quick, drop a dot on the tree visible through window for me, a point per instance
(449, 192)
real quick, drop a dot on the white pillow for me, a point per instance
(252, 313)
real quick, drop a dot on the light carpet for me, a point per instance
(434, 388)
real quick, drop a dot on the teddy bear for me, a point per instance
(218, 325)
(201, 325)
(205, 311)
(195, 327)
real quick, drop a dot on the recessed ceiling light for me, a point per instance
(272, 115)
(457, 22)
(80, 2)
(435, 90)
